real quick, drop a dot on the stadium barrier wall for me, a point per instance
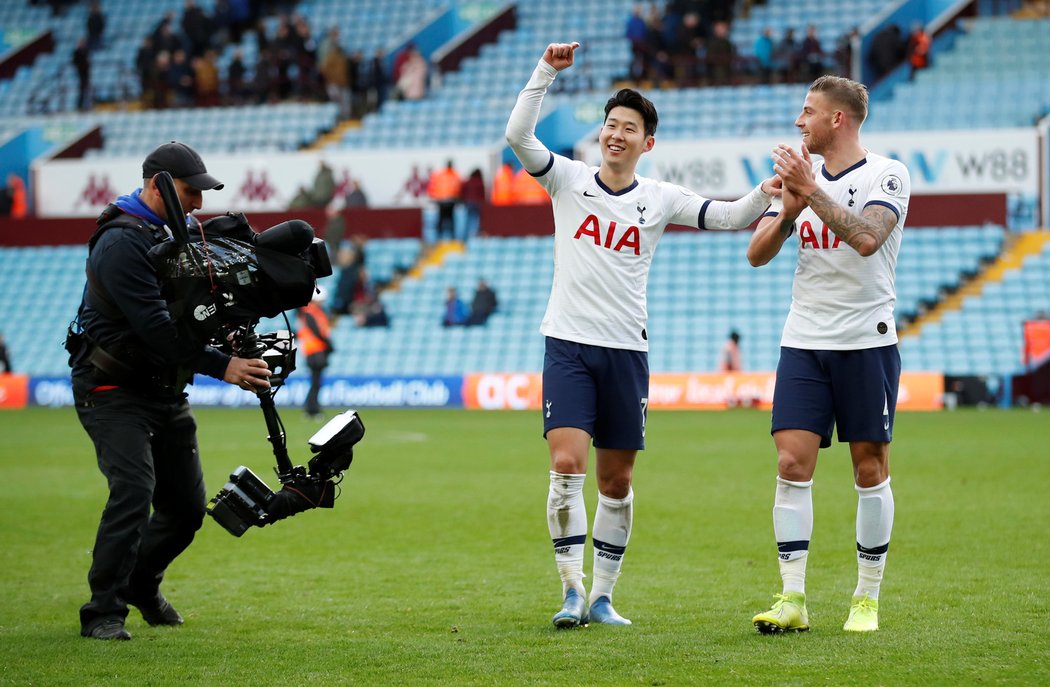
(939, 162)
(14, 390)
(684, 391)
(478, 391)
(992, 161)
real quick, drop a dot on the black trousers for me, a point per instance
(147, 450)
(317, 363)
(446, 223)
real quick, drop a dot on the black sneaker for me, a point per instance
(111, 628)
(157, 611)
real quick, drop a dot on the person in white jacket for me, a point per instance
(607, 223)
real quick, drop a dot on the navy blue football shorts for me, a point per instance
(857, 390)
(603, 391)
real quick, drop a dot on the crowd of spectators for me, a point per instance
(178, 63)
(686, 43)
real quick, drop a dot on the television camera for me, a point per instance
(218, 286)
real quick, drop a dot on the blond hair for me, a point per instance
(847, 93)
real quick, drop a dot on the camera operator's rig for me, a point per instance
(218, 288)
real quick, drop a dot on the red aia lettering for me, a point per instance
(629, 240)
(808, 237)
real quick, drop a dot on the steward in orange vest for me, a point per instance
(314, 341)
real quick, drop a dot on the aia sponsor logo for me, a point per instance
(809, 238)
(612, 237)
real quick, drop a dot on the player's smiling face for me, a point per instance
(816, 122)
(622, 138)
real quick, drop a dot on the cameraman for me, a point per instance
(130, 364)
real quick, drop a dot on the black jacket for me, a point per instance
(143, 335)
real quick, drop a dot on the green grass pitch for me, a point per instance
(435, 566)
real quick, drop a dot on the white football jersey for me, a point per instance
(603, 247)
(841, 300)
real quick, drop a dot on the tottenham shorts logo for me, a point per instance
(203, 312)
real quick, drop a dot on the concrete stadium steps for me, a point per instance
(1018, 247)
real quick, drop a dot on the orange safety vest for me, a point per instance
(444, 184)
(528, 191)
(503, 186)
(308, 341)
(19, 206)
(920, 55)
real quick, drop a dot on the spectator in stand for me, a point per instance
(918, 48)
(206, 79)
(638, 34)
(763, 49)
(363, 292)
(473, 193)
(309, 85)
(315, 342)
(145, 58)
(355, 195)
(456, 312)
(483, 305)
(350, 196)
(351, 260)
(335, 71)
(164, 37)
(358, 101)
(279, 56)
(221, 24)
(886, 51)
(96, 26)
(686, 42)
(399, 61)
(811, 54)
(445, 188)
(412, 82)
(785, 57)
(157, 88)
(5, 357)
(181, 78)
(503, 185)
(372, 314)
(729, 359)
(15, 199)
(721, 55)
(373, 81)
(844, 52)
(238, 87)
(196, 27)
(82, 65)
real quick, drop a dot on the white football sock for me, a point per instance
(874, 525)
(567, 522)
(612, 530)
(793, 528)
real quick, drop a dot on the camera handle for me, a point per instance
(276, 435)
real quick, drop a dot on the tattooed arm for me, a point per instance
(865, 233)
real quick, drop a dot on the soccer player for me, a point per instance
(596, 371)
(839, 362)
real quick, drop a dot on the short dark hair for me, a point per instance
(630, 98)
(846, 93)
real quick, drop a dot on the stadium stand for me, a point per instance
(994, 76)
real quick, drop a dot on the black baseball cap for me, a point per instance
(182, 162)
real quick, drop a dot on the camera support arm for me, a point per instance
(276, 435)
